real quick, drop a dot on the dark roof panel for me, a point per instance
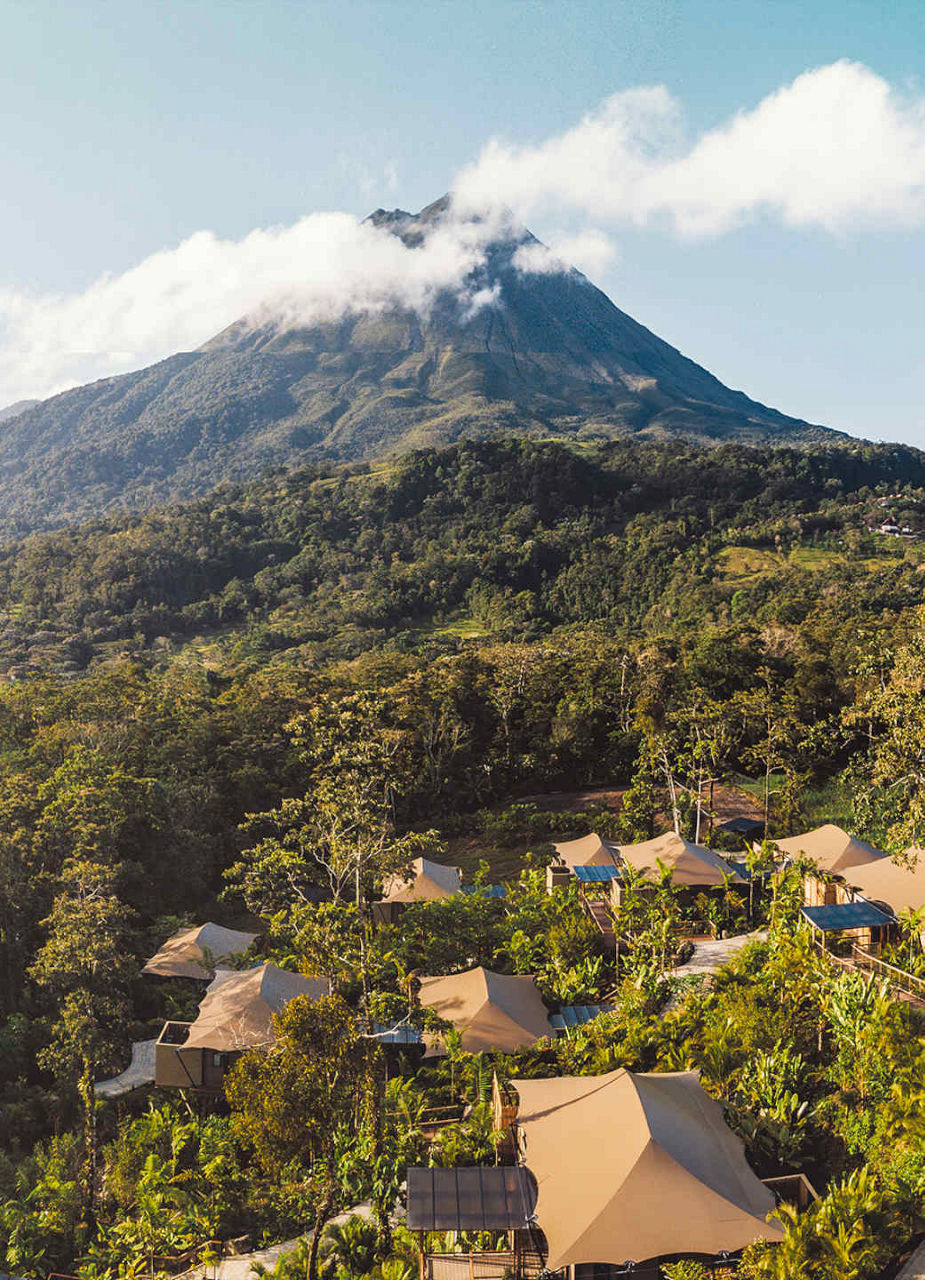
(596, 874)
(500, 1198)
(846, 915)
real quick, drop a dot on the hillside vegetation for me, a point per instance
(494, 539)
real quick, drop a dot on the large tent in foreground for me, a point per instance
(637, 1167)
(831, 848)
(490, 1010)
(183, 955)
(690, 864)
(425, 881)
(901, 888)
(589, 851)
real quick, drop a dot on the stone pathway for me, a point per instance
(710, 956)
(915, 1267)
(239, 1268)
(139, 1072)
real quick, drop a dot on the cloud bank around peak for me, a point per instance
(320, 268)
(838, 149)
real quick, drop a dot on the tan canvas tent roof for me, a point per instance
(182, 954)
(430, 880)
(491, 1010)
(237, 1012)
(691, 864)
(831, 848)
(887, 881)
(636, 1166)
(589, 851)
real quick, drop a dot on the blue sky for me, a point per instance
(129, 127)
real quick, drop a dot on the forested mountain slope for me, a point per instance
(548, 355)
(496, 538)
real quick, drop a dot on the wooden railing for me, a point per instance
(898, 979)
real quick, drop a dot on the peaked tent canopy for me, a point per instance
(428, 881)
(589, 851)
(490, 1010)
(637, 1166)
(183, 953)
(237, 1012)
(690, 864)
(886, 881)
(831, 848)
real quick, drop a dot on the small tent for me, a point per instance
(237, 1012)
(691, 864)
(831, 848)
(425, 881)
(490, 1010)
(589, 851)
(183, 954)
(637, 1166)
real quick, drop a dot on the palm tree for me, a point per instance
(348, 1249)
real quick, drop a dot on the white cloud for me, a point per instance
(838, 148)
(321, 267)
(589, 250)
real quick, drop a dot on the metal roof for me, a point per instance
(486, 890)
(500, 1198)
(403, 1033)
(596, 874)
(577, 1015)
(846, 915)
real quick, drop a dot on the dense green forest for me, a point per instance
(198, 696)
(501, 539)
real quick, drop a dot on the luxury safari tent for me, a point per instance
(490, 1010)
(424, 881)
(636, 1167)
(589, 851)
(236, 1015)
(185, 953)
(890, 884)
(831, 848)
(692, 865)
(613, 1169)
(859, 906)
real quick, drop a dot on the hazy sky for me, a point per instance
(779, 240)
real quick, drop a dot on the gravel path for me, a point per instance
(713, 955)
(239, 1268)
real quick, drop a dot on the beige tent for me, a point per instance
(428, 881)
(181, 956)
(491, 1010)
(237, 1012)
(589, 851)
(831, 848)
(637, 1166)
(691, 864)
(887, 881)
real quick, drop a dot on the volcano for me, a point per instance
(533, 352)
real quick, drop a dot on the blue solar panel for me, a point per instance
(577, 1015)
(846, 915)
(596, 875)
(402, 1034)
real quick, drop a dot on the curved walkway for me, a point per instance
(915, 1267)
(239, 1267)
(711, 956)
